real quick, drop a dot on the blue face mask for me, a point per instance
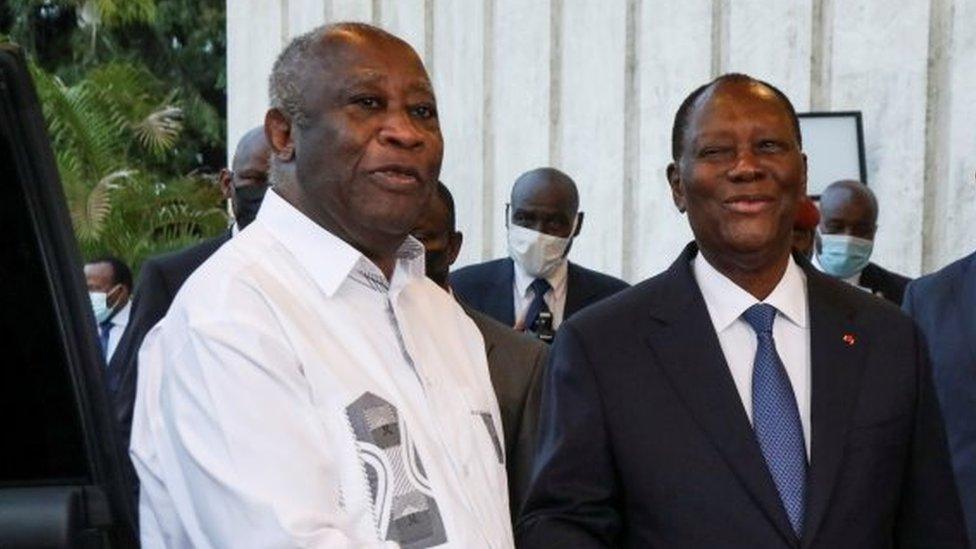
(844, 256)
(100, 306)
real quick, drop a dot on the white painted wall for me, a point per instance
(591, 86)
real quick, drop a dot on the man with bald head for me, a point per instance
(536, 287)
(845, 240)
(741, 398)
(310, 387)
(161, 277)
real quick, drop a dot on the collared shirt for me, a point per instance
(726, 302)
(294, 397)
(555, 298)
(119, 321)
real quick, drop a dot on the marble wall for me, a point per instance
(591, 87)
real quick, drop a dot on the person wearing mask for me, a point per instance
(536, 288)
(109, 285)
(805, 227)
(309, 386)
(161, 277)
(845, 240)
(741, 398)
(515, 360)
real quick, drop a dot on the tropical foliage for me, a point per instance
(137, 135)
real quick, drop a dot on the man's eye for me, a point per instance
(424, 111)
(770, 145)
(368, 102)
(712, 152)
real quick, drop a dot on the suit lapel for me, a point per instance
(499, 302)
(575, 291)
(836, 361)
(688, 349)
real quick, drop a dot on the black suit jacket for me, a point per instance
(515, 364)
(644, 441)
(884, 283)
(159, 280)
(488, 288)
(943, 305)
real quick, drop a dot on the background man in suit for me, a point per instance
(536, 287)
(740, 398)
(110, 285)
(848, 223)
(515, 361)
(161, 277)
(943, 305)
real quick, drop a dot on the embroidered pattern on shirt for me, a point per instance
(493, 433)
(404, 506)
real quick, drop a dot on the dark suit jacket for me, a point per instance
(515, 364)
(488, 288)
(884, 283)
(159, 280)
(943, 305)
(644, 441)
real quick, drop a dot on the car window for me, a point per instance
(40, 425)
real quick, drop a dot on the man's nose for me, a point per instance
(400, 130)
(746, 168)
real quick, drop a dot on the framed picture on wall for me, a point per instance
(834, 145)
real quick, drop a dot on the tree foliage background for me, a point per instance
(133, 93)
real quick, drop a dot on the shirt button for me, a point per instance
(464, 469)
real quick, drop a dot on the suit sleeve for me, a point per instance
(525, 443)
(571, 500)
(152, 298)
(931, 512)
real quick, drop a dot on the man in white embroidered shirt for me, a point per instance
(309, 386)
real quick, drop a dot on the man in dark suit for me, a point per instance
(845, 240)
(536, 287)
(161, 277)
(515, 360)
(740, 398)
(943, 305)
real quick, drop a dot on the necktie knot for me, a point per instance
(540, 286)
(760, 316)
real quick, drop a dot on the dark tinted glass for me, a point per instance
(40, 429)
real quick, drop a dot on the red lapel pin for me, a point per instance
(849, 339)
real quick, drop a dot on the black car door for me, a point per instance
(61, 479)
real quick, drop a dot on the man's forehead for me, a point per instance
(724, 98)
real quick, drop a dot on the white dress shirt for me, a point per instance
(119, 322)
(726, 301)
(293, 397)
(555, 298)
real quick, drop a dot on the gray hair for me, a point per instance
(293, 64)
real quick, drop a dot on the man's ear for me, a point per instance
(277, 128)
(579, 224)
(224, 180)
(454, 242)
(677, 193)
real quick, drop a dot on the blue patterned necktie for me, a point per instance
(103, 331)
(539, 286)
(776, 418)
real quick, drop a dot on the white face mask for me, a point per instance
(100, 306)
(539, 254)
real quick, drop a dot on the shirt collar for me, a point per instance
(557, 279)
(121, 318)
(328, 259)
(726, 301)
